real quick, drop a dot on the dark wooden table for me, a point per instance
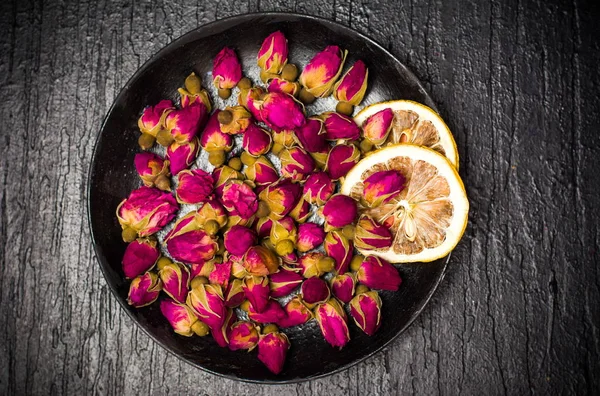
(517, 81)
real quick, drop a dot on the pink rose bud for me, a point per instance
(339, 211)
(262, 171)
(310, 236)
(176, 280)
(296, 313)
(272, 313)
(365, 309)
(234, 294)
(332, 321)
(241, 120)
(377, 127)
(186, 122)
(257, 290)
(147, 210)
(243, 335)
(153, 170)
(180, 316)
(140, 255)
(144, 290)
(341, 159)
(211, 210)
(206, 301)
(315, 291)
(342, 287)
(308, 264)
(272, 350)
(377, 273)
(183, 225)
(239, 199)
(191, 245)
(182, 156)
(221, 274)
(318, 188)
(238, 239)
(221, 334)
(256, 141)
(296, 163)
(370, 235)
(281, 111)
(283, 229)
(311, 136)
(153, 117)
(340, 249)
(212, 138)
(339, 126)
(323, 70)
(195, 186)
(222, 175)
(227, 70)
(301, 211)
(281, 197)
(286, 137)
(260, 261)
(187, 98)
(273, 53)
(284, 86)
(251, 99)
(284, 282)
(263, 227)
(352, 86)
(382, 186)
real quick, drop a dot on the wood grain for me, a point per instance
(517, 81)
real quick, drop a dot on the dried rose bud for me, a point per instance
(195, 186)
(260, 261)
(182, 156)
(339, 126)
(283, 229)
(339, 211)
(145, 211)
(201, 269)
(185, 123)
(296, 163)
(212, 138)
(256, 289)
(239, 239)
(378, 126)
(234, 294)
(239, 199)
(257, 141)
(272, 350)
(308, 264)
(140, 255)
(301, 211)
(311, 136)
(332, 321)
(365, 309)
(315, 291)
(377, 273)
(296, 313)
(191, 245)
(211, 210)
(281, 111)
(262, 171)
(238, 270)
(370, 235)
(323, 70)
(382, 186)
(206, 301)
(283, 282)
(183, 225)
(341, 159)
(188, 99)
(272, 313)
(281, 197)
(153, 170)
(263, 226)
(352, 86)
(176, 280)
(244, 335)
(284, 86)
(153, 117)
(227, 70)
(318, 188)
(221, 274)
(144, 290)
(240, 120)
(340, 249)
(221, 334)
(181, 317)
(342, 287)
(273, 53)
(251, 99)
(310, 236)
(222, 175)
(290, 259)
(285, 138)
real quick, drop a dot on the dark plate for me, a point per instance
(112, 177)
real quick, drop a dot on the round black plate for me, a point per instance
(112, 176)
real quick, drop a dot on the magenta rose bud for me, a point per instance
(310, 236)
(281, 111)
(180, 316)
(146, 211)
(243, 335)
(272, 350)
(256, 141)
(365, 309)
(153, 170)
(221, 334)
(212, 138)
(140, 255)
(227, 70)
(370, 235)
(332, 321)
(296, 163)
(272, 313)
(377, 127)
(377, 273)
(251, 99)
(284, 282)
(221, 177)
(323, 70)
(339, 211)
(311, 136)
(263, 226)
(308, 264)
(283, 229)
(273, 53)
(261, 172)
(221, 273)
(239, 199)
(338, 126)
(281, 197)
(257, 291)
(186, 122)
(207, 302)
(211, 210)
(352, 86)
(238, 239)
(182, 156)
(301, 212)
(318, 188)
(296, 313)
(315, 291)
(195, 186)
(340, 249)
(342, 287)
(260, 261)
(176, 280)
(341, 159)
(191, 245)
(284, 86)
(144, 290)
(234, 294)
(153, 117)
(382, 186)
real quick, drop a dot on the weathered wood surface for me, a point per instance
(518, 83)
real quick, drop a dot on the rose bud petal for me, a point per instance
(185, 123)
(377, 273)
(187, 98)
(370, 235)
(191, 245)
(206, 301)
(284, 86)
(310, 236)
(315, 291)
(281, 111)
(146, 211)
(284, 282)
(195, 186)
(238, 270)
(257, 291)
(256, 141)
(281, 197)
(377, 127)
(296, 313)
(237, 220)
(227, 70)
(240, 121)
(312, 137)
(221, 334)
(201, 269)
(239, 199)
(301, 212)
(339, 211)
(283, 229)
(340, 249)
(323, 70)
(273, 53)
(290, 259)
(153, 170)
(262, 171)
(272, 313)
(222, 175)
(238, 239)
(382, 186)
(234, 295)
(341, 159)
(296, 163)
(332, 321)
(182, 156)
(176, 280)
(243, 335)
(352, 86)
(286, 138)
(144, 290)
(212, 138)
(251, 99)
(221, 273)
(308, 264)
(263, 226)
(211, 210)
(339, 126)
(153, 117)
(318, 188)
(181, 317)
(365, 309)
(260, 261)
(140, 255)
(342, 287)
(272, 350)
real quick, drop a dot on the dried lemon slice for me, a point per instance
(428, 217)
